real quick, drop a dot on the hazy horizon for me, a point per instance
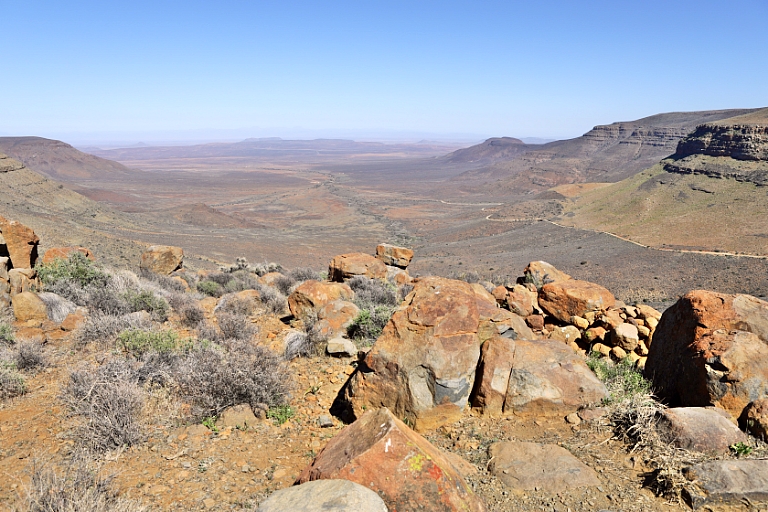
(93, 73)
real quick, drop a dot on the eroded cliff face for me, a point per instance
(9, 164)
(740, 142)
(737, 152)
(626, 133)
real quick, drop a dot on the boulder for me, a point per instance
(335, 317)
(535, 322)
(537, 378)
(324, 496)
(398, 276)
(162, 259)
(710, 349)
(21, 242)
(394, 256)
(310, 296)
(424, 362)
(341, 347)
(62, 253)
(237, 416)
(522, 301)
(728, 485)
(701, 429)
(28, 306)
(540, 273)
(754, 418)
(625, 336)
(5, 265)
(381, 452)
(510, 325)
(595, 335)
(645, 312)
(542, 467)
(345, 266)
(564, 299)
(22, 280)
(565, 334)
(270, 278)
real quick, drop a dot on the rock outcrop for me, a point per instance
(710, 349)
(63, 253)
(310, 296)
(21, 243)
(382, 453)
(394, 256)
(569, 298)
(422, 367)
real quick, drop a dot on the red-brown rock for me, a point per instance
(345, 266)
(564, 299)
(310, 296)
(62, 253)
(21, 242)
(334, 318)
(524, 378)
(162, 259)
(382, 453)
(22, 280)
(711, 349)
(425, 359)
(28, 306)
(394, 256)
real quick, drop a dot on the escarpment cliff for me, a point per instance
(737, 152)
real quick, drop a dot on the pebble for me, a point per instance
(325, 421)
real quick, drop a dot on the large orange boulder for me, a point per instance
(310, 296)
(394, 256)
(345, 266)
(162, 259)
(711, 349)
(62, 253)
(533, 378)
(571, 297)
(334, 318)
(422, 367)
(21, 242)
(382, 453)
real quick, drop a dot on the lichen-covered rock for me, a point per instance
(725, 485)
(162, 259)
(311, 296)
(538, 378)
(345, 266)
(334, 318)
(394, 256)
(381, 452)
(711, 349)
(425, 359)
(564, 299)
(540, 273)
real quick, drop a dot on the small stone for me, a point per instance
(325, 421)
(581, 323)
(618, 353)
(602, 349)
(573, 419)
(625, 336)
(341, 347)
(209, 502)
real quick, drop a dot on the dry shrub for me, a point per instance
(236, 305)
(79, 488)
(110, 401)
(103, 328)
(29, 355)
(372, 292)
(274, 301)
(235, 327)
(302, 274)
(165, 282)
(57, 306)
(213, 378)
(11, 382)
(307, 343)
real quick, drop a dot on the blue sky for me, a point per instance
(171, 70)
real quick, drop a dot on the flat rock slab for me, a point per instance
(701, 429)
(542, 467)
(324, 496)
(719, 484)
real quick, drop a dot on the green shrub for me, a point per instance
(623, 380)
(369, 323)
(11, 382)
(6, 334)
(280, 414)
(75, 268)
(210, 288)
(147, 301)
(137, 342)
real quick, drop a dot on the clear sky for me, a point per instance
(164, 69)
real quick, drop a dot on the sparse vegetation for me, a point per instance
(235, 327)
(80, 487)
(29, 355)
(6, 334)
(377, 301)
(11, 381)
(137, 342)
(280, 414)
(76, 268)
(369, 324)
(306, 343)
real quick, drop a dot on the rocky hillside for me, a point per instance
(737, 151)
(59, 160)
(492, 150)
(607, 153)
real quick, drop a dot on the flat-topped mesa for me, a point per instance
(740, 142)
(628, 133)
